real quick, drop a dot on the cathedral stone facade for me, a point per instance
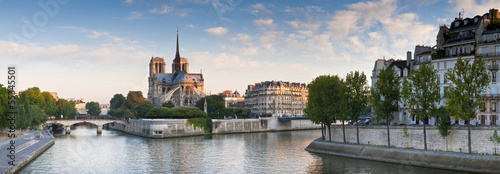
(180, 86)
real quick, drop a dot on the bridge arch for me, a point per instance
(98, 122)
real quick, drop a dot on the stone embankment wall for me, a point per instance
(457, 140)
(446, 160)
(164, 128)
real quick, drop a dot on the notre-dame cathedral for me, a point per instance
(180, 86)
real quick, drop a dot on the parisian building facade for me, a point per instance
(232, 99)
(180, 86)
(277, 98)
(469, 39)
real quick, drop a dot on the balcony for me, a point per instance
(493, 67)
(489, 54)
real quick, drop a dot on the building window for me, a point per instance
(439, 78)
(493, 77)
(444, 65)
(493, 120)
(494, 107)
(445, 80)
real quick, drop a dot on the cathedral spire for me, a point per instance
(177, 55)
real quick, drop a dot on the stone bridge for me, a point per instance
(98, 122)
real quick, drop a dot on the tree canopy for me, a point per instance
(322, 105)
(134, 98)
(355, 93)
(168, 104)
(117, 101)
(66, 108)
(462, 98)
(4, 106)
(422, 93)
(93, 108)
(385, 96)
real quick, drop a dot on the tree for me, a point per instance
(35, 97)
(443, 123)
(143, 109)
(322, 105)
(93, 108)
(495, 139)
(358, 93)
(345, 108)
(241, 112)
(28, 115)
(421, 91)
(4, 106)
(211, 100)
(219, 110)
(66, 108)
(462, 98)
(385, 96)
(50, 102)
(168, 104)
(117, 101)
(134, 98)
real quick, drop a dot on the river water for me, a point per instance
(83, 151)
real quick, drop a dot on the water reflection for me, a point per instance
(83, 151)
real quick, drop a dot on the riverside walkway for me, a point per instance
(27, 148)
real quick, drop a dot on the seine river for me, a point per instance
(274, 152)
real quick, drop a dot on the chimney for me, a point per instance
(408, 58)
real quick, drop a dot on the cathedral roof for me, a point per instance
(179, 77)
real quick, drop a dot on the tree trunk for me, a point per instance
(470, 148)
(425, 139)
(322, 131)
(388, 137)
(357, 132)
(329, 131)
(343, 129)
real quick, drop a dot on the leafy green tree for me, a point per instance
(219, 110)
(35, 97)
(385, 96)
(4, 106)
(345, 107)
(134, 98)
(211, 100)
(443, 121)
(50, 102)
(358, 93)
(119, 113)
(469, 81)
(93, 108)
(143, 109)
(495, 139)
(66, 108)
(168, 104)
(322, 105)
(241, 112)
(117, 101)
(28, 115)
(421, 91)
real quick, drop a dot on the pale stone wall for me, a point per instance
(163, 128)
(377, 135)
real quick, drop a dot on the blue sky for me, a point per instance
(95, 49)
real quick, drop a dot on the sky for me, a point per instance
(94, 49)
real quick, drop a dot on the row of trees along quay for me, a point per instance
(332, 98)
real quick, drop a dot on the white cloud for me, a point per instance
(191, 26)
(134, 15)
(472, 7)
(95, 34)
(128, 2)
(259, 8)
(265, 23)
(217, 31)
(164, 10)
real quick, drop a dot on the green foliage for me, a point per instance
(469, 80)
(4, 106)
(218, 111)
(35, 97)
(322, 105)
(422, 92)
(66, 108)
(385, 95)
(495, 138)
(134, 99)
(93, 108)
(177, 112)
(143, 109)
(119, 113)
(28, 115)
(204, 123)
(168, 104)
(211, 100)
(50, 102)
(241, 112)
(443, 122)
(405, 132)
(117, 101)
(356, 93)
